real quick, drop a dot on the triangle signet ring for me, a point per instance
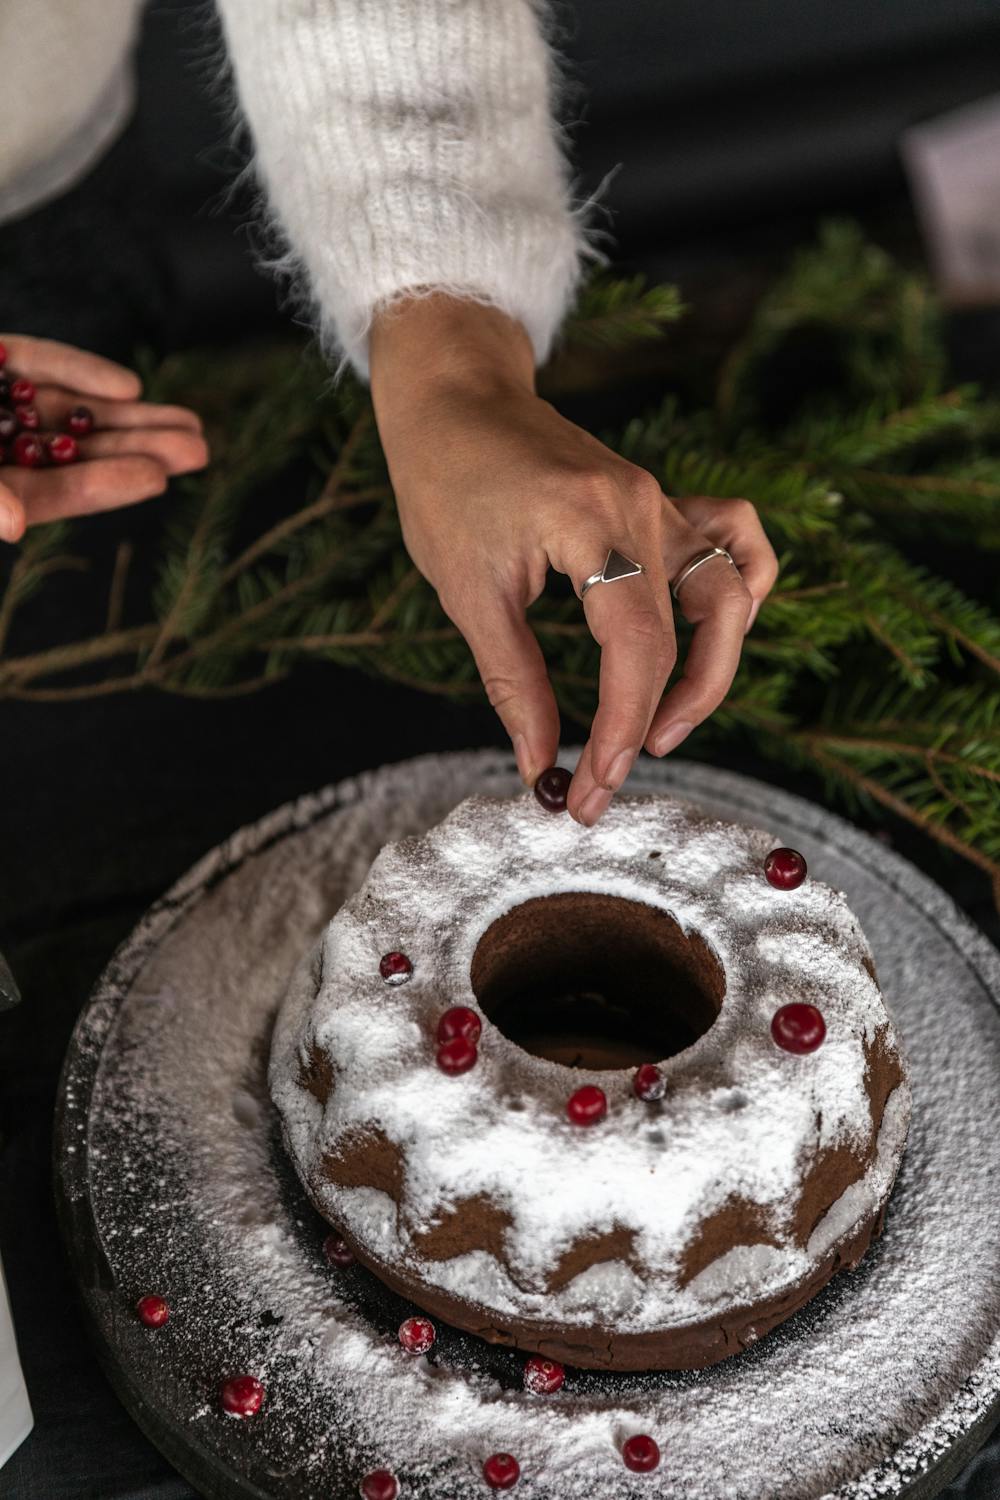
(616, 565)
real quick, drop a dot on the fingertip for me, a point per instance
(525, 762)
(13, 518)
(152, 479)
(103, 379)
(93, 375)
(129, 383)
(669, 736)
(190, 454)
(594, 806)
(534, 755)
(754, 611)
(616, 765)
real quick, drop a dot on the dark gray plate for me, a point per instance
(170, 1178)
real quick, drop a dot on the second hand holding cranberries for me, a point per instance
(21, 442)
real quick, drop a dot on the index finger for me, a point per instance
(514, 674)
(77, 369)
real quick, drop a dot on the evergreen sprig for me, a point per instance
(866, 666)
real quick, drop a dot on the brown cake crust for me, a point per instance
(478, 1223)
(691, 1347)
(593, 959)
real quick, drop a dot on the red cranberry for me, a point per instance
(3, 354)
(552, 787)
(22, 392)
(29, 451)
(417, 1335)
(153, 1311)
(27, 418)
(8, 426)
(649, 1083)
(785, 869)
(641, 1454)
(798, 1027)
(543, 1377)
(63, 449)
(395, 968)
(242, 1395)
(459, 1021)
(80, 421)
(337, 1252)
(501, 1471)
(457, 1056)
(379, 1485)
(587, 1106)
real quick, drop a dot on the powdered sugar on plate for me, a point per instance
(172, 1147)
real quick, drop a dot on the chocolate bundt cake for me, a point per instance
(625, 1096)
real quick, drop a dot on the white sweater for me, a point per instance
(401, 145)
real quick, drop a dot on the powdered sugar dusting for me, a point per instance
(192, 1199)
(500, 1130)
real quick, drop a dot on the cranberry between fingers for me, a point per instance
(80, 421)
(28, 451)
(62, 449)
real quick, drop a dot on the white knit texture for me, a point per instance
(408, 146)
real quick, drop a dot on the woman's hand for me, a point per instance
(133, 451)
(494, 487)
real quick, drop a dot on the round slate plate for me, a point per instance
(171, 1178)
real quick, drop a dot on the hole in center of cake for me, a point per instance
(596, 981)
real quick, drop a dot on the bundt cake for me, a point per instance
(626, 1096)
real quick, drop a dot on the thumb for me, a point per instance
(512, 667)
(13, 517)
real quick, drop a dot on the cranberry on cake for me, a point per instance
(611, 1095)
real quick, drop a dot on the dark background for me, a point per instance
(735, 127)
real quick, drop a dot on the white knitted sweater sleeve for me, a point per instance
(406, 146)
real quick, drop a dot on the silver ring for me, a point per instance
(697, 562)
(616, 565)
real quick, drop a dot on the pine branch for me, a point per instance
(841, 770)
(883, 431)
(961, 503)
(36, 559)
(615, 314)
(874, 672)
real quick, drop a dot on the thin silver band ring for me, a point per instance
(698, 562)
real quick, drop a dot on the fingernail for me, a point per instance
(668, 739)
(755, 606)
(523, 757)
(8, 522)
(619, 769)
(594, 804)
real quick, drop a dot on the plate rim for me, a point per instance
(81, 1063)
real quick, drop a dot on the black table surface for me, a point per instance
(106, 803)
